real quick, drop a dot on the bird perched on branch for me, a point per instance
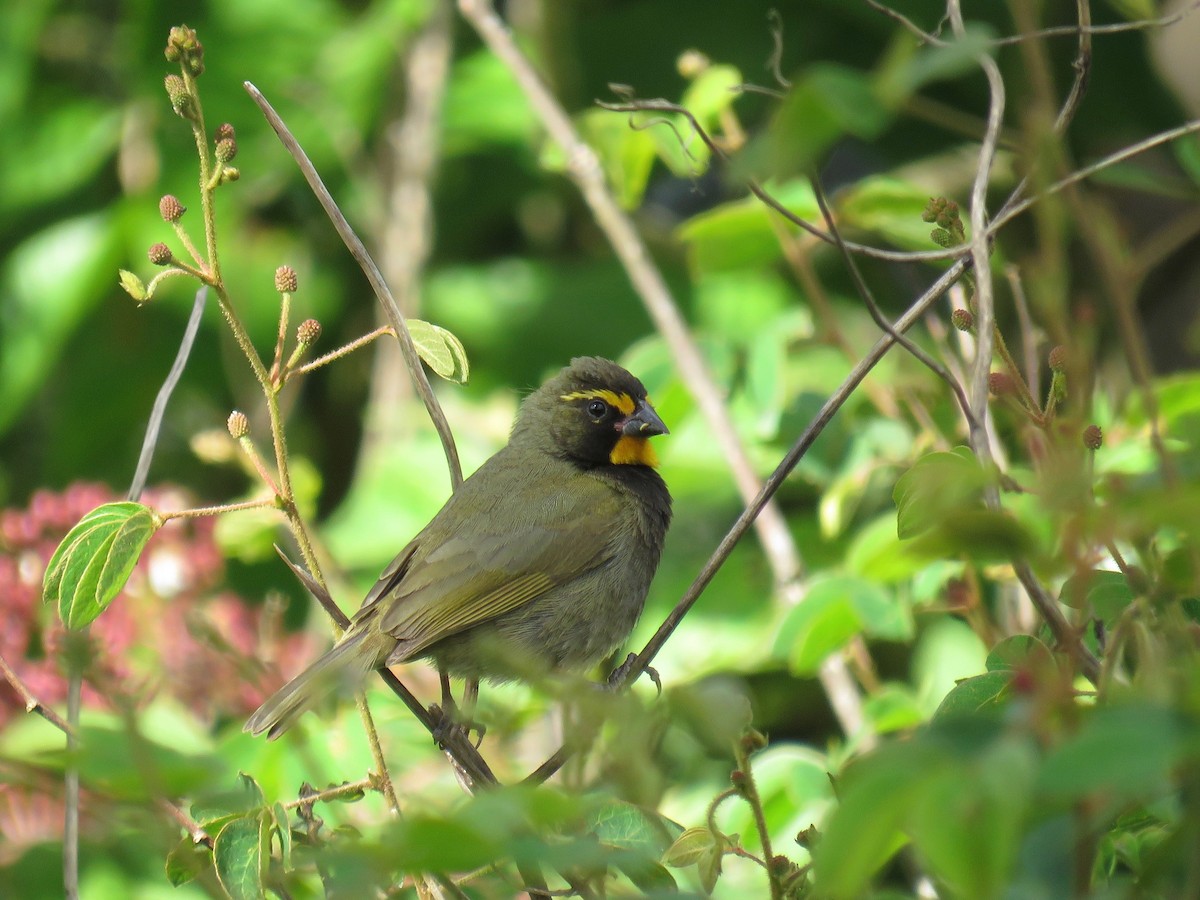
(540, 561)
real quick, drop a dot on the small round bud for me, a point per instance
(285, 280)
(942, 238)
(692, 63)
(963, 319)
(238, 425)
(160, 254)
(308, 332)
(170, 208)
(1000, 384)
(933, 209)
(738, 779)
(224, 132)
(948, 215)
(1093, 437)
(226, 150)
(181, 100)
(1058, 358)
(229, 173)
(184, 47)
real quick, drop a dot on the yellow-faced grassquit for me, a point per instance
(539, 562)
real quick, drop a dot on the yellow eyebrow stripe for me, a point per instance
(623, 402)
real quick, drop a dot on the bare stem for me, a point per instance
(382, 292)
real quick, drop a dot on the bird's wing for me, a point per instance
(507, 553)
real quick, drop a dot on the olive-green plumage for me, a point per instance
(541, 560)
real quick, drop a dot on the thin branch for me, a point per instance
(194, 829)
(932, 38)
(1016, 206)
(363, 258)
(164, 394)
(868, 298)
(32, 703)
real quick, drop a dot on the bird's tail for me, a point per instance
(346, 664)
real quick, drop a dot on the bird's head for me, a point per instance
(593, 412)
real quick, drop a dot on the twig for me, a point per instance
(32, 703)
(584, 168)
(194, 829)
(363, 258)
(1055, 31)
(164, 394)
(868, 298)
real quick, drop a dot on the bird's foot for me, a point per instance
(616, 678)
(448, 728)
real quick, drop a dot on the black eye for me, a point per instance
(597, 409)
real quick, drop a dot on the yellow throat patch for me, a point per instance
(629, 450)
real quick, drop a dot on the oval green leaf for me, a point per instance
(237, 853)
(94, 560)
(441, 350)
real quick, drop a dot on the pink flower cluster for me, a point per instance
(173, 629)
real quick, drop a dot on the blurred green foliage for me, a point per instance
(984, 762)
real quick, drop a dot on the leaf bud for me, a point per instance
(238, 425)
(224, 132)
(963, 319)
(160, 254)
(1093, 437)
(170, 208)
(285, 280)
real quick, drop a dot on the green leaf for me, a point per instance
(1019, 651)
(740, 234)
(888, 206)
(938, 483)
(967, 820)
(186, 860)
(95, 559)
(134, 286)
(283, 828)
(629, 827)
(1105, 593)
(441, 350)
(690, 848)
(237, 854)
(877, 793)
(627, 153)
(910, 67)
(1121, 751)
(976, 694)
(820, 624)
(219, 806)
(893, 708)
(827, 102)
(711, 93)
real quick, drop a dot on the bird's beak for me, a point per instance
(644, 422)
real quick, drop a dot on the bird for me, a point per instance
(540, 562)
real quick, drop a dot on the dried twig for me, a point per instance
(363, 258)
